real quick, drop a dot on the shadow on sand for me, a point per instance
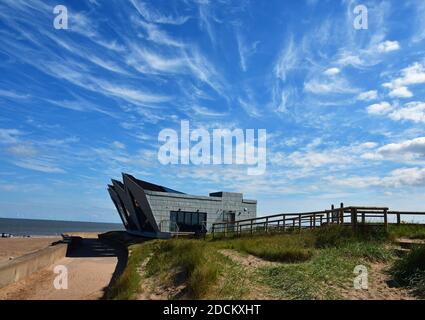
(96, 248)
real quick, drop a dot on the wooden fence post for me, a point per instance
(267, 225)
(398, 218)
(342, 212)
(333, 213)
(386, 218)
(212, 230)
(354, 218)
(299, 220)
(363, 218)
(327, 217)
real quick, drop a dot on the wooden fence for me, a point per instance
(353, 216)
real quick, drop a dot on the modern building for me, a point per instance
(155, 211)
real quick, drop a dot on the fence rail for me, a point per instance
(353, 216)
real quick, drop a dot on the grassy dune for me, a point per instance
(312, 264)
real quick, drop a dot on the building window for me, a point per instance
(185, 221)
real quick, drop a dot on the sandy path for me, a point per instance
(380, 287)
(250, 263)
(15, 247)
(90, 269)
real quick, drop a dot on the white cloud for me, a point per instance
(9, 136)
(368, 95)
(287, 60)
(146, 61)
(415, 147)
(368, 145)
(348, 59)
(118, 145)
(401, 92)
(132, 95)
(332, 71)
(412, 75)
(206, 18)
(39, 165)
(403, 151)
(24, 150)
(283, 100)
(388, 46)
(105, 64)
(249, 107)
(380, 108)
(419, 35)
(413, 111)
(155, 34)
(314, 159)
(206, 112)
(12, 94)
(397, 178)
(406, 176)
(319, 86)
(152, 15)
(245, 50)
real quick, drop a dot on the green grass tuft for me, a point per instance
(128, 284)
(410, 270)
(186, 261)
(281, 248)
(405, 230)
(335, 235)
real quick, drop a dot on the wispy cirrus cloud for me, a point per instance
(150, 14)
(246, 50)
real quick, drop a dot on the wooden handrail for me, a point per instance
(283, 221)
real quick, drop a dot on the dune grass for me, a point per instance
(405, 230)
(312, 264)
(337, 250)
(188, 261)
(410, 270)
(281, 248)
(128, 284)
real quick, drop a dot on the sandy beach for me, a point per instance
(16, 247)
(90, 268)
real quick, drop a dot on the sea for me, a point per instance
(33, 227)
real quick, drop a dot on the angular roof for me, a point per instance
(150, 186)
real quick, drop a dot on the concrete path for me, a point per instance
(90, 267)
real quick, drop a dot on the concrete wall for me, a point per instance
(21, 267)
(162, 203)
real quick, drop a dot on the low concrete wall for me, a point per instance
(21, 267)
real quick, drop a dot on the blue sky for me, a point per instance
(344, 109)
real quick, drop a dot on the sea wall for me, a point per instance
(21, 267)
